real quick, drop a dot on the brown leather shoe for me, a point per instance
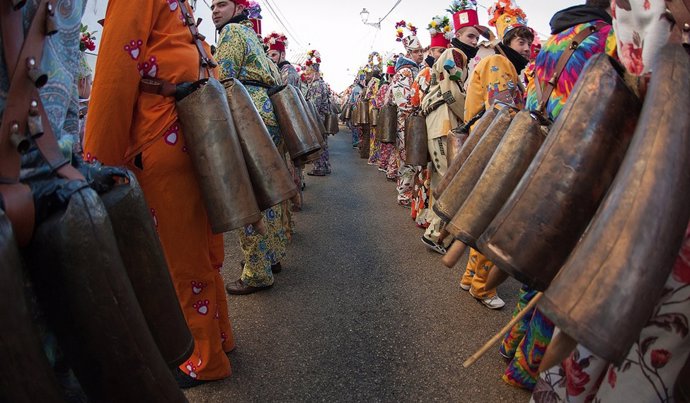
(240, 288)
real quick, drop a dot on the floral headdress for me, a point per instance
(86, 39)
(379, 60)
(254, 10)
(399, 28)
(505, 16)
(440, 25)
(462, 5)
(276, 41)
(313, 57)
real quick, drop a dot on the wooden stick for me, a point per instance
(496, 277)
(476, 356)
(454, 254)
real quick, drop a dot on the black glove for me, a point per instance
(186, 88)
(99, 177)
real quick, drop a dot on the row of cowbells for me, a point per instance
(101, 281)
(240, 170)
(590, 209)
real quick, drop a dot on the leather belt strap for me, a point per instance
(206, 62)
(23, 93)
(544, 93)
(679, 11)
(157, 86)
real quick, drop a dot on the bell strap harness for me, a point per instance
(165, 88)
(24, 112)
(544, 91)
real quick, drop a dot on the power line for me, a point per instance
(287, 21)
(280, 21)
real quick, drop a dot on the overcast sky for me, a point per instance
(335, 28)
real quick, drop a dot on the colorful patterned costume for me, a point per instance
(651, 368)
(421, 191)
(320, 95)
(401, 93)
(526, 343)
(140, 130)
(371, 94)
(241, 56)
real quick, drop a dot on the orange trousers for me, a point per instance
(476, 274)
(194, 254)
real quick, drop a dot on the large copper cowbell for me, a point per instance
(454, 142)
(317, 117)
(416, 140)
(84, 290)
(315, 130)
(537, 228)
(681, 392)
(143, 258)
(331, 123)
(347, 112)
(459, 188)
(268, 171)
(375, 117)
(363, 111)
(27, 376)
(500, 177)
(216, 154)
(468, 145)
(387, 127)
(294, 123)
(607, 290)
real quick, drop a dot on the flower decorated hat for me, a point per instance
(440, 31)
(506, 16)
(411, 42)
(253, 13)
(276, 41)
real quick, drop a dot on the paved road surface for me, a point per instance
(362, 311)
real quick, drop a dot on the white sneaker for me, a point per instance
(436, 247)
(494, 302)
(465, 287)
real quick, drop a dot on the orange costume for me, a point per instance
(140, 130)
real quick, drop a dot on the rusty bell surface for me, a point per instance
(416, 140)
(216, 154)
(363, 111)
(268, 171)
(317, 118)
(459, 158)
(331, 123)
(294, 123)
(387, 126)
(28, 377)
(607, 290)
(454, 141)
(500, 177)
(375, 117)
(540, 224)
(143, 258)
(315, 130)
(93, 310)
(459, 188)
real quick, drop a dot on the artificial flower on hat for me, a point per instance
(506, 15)
(440, 31)
(375, 60)
(276, 41)
(464, 14)
(411, 42)
(313, 60)
(253, 13)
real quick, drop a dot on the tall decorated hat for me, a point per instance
(254, 14)
(276, 41)
(440, 31)
(464, 14)
(506, 16)
(375, 61)
(410, 42)
(313, 60)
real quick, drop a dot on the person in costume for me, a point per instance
(524, 345)
(318, 93)
(386, 149)
(441, 34)
(357, 90)
(371, 94)
(277, 44)
(653, 366)
(241, 56)
(496, 78)
(140, 130)
(406, 69)
(445, 102)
